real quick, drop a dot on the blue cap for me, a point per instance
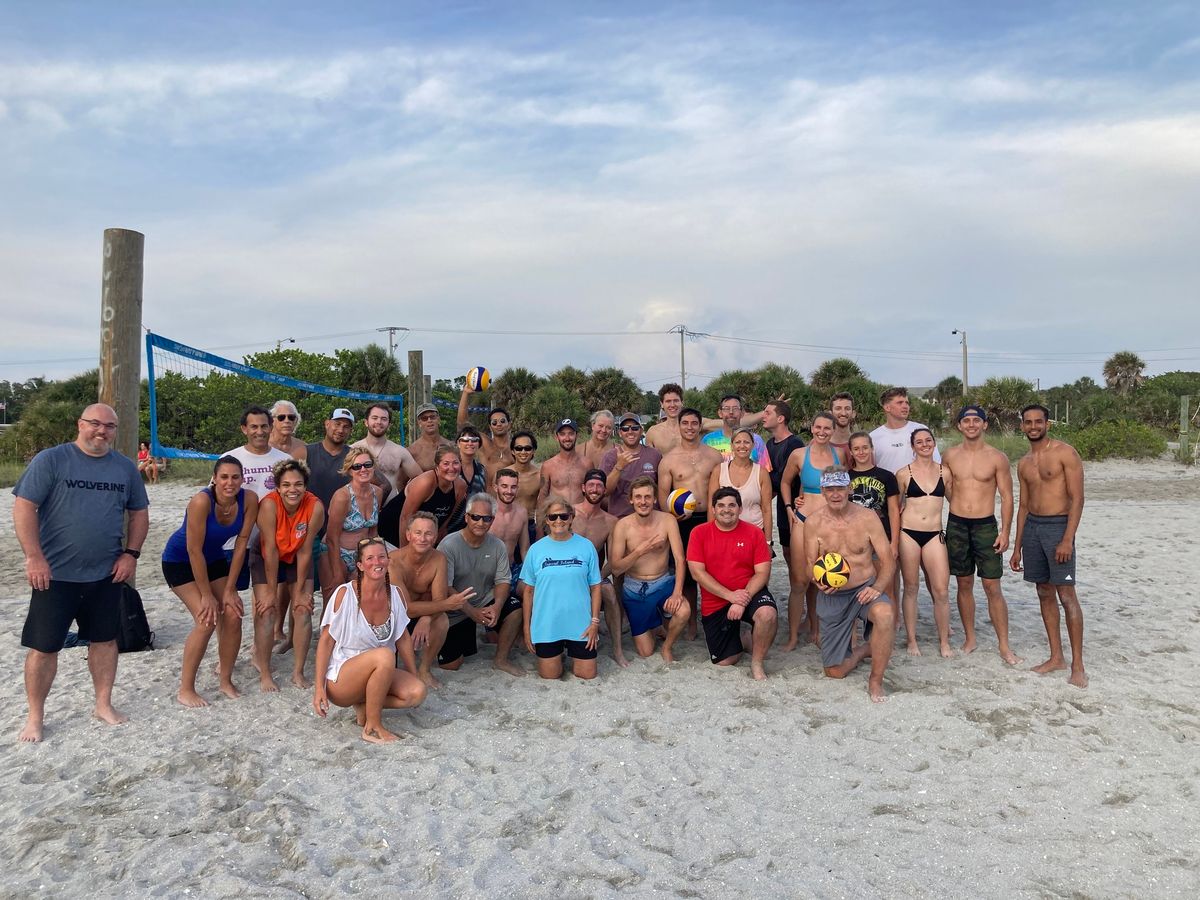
(972, 410)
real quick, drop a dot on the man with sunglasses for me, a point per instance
(394, 465)
(629, 460)
(593, 523)
(477, 564)
(69, 516)
(429, 436)
(496, 450)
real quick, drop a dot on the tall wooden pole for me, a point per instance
(121, 332)
(416, 389)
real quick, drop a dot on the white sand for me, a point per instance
(974, 781)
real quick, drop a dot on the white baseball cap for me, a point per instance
(342, 413)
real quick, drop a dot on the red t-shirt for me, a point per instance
(728, 556)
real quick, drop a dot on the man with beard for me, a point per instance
(511, 522)
(394, 465)
(593, 523)
(844, 416)
(731, 411)
(644, 546)
(562, 474)
(1051, 476)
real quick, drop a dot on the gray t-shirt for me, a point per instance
(81, 503)
(481, 568)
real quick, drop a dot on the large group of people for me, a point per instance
(421, 552)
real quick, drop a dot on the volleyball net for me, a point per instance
(196, 400)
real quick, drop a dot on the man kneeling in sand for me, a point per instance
(731, 562)
(642, 547)
(857, 534)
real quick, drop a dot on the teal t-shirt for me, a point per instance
(561, 574)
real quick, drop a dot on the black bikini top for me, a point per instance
(915, 490)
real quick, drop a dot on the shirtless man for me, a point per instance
(1051, 476)
(285, 419)
(496, 451)
(603, 423)
(562, 474)
(857, 534)
(664, 437)
(688, 468)
(844, 417)
(972, 541)
(642, 548)
(426, 443)
(394, 465)
(529, 473)
(593, 523)
(419, 571)
(511, 524)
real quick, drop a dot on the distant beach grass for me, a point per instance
(1014, 446)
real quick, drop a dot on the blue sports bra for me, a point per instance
(810, 475)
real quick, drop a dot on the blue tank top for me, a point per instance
(810, 475)
(216, 535)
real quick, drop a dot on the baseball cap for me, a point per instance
(972, 410)
(342, 413)
(597, 474)
(424, 408)
(629, 417)
(566, 423)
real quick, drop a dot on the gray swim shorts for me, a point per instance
(1042, 534)
(838, 613)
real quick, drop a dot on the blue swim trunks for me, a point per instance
(643, 601)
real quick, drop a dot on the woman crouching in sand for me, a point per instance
(197, 571)
(364, 627)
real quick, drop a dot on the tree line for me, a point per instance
(201, 412)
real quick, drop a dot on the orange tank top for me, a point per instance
(290, 529)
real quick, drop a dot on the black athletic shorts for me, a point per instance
(258, 569)
(180, 573)
(511, 605)
(724, 635)
(95, 605)
(461, 640)
(574, 649)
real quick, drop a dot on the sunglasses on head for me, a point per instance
(354, 467)
(558, 517)
(365, 542)
(475, 518)
(285, 417)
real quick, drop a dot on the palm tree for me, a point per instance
(1003, 399)
(370, 369)
(1123, 371)
(828, 377)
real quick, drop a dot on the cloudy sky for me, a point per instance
(791, 180)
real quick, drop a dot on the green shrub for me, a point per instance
(1122, 439)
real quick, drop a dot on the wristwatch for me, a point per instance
(134, 553)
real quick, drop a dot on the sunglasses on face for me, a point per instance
(631, 427)
(522, 449)
(468, 440)
(499, 421)
(285, 417)
(558, 517)
(354, 467)
(475, 518)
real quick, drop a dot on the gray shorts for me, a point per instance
(838, 613)
(1042, 534)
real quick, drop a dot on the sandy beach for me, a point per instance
(975, 780)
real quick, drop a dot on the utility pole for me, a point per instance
(279, 343)
(682, 329)
(391, 330)
(121, 331)
(963, 332)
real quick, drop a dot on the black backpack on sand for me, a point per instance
(135, 631)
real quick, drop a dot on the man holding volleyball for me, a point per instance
(847, 540)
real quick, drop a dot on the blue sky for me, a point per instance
(860, 176)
